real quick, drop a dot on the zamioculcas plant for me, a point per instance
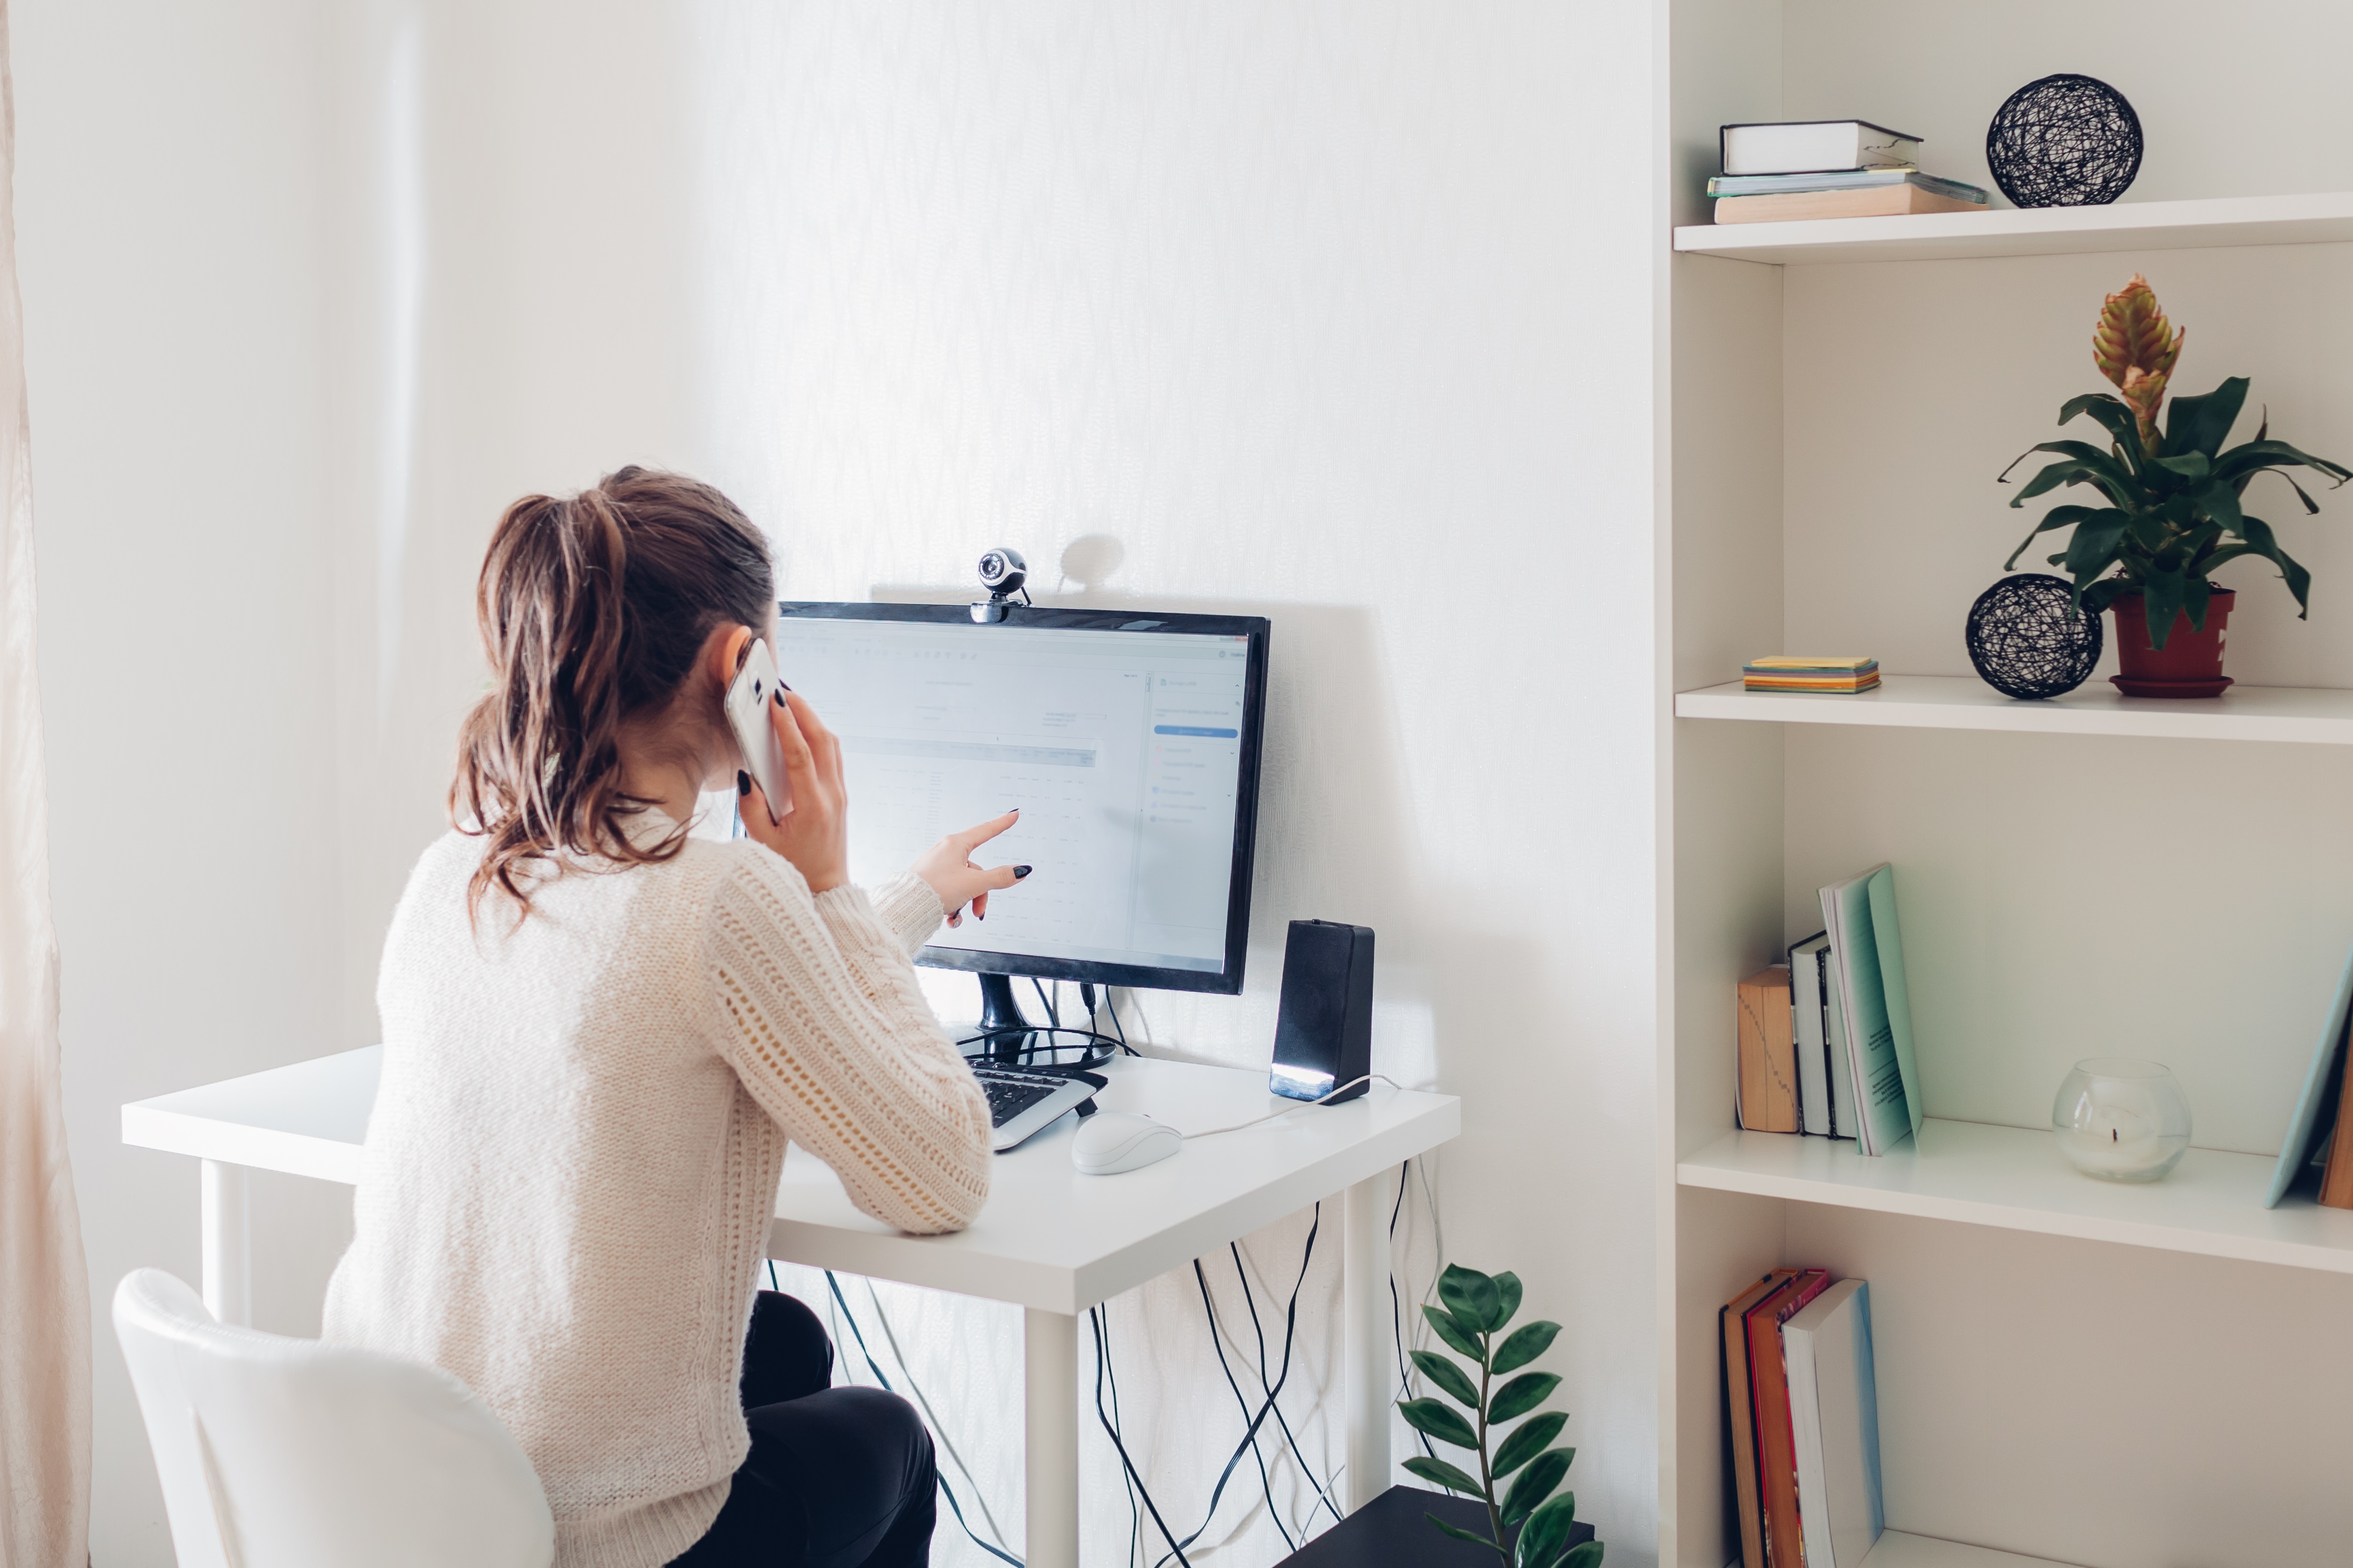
(1476, 1308)
(2173, 511)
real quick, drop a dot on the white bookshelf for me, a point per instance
(2321, 218)
(2181, 889)
(1897, 1550)
(2309, 715)
(2016, 1178)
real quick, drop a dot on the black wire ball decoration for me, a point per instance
(2064, 141)
(2028, 640)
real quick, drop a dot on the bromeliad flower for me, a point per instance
(2135, 346)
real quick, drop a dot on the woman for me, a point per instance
(599, 1034)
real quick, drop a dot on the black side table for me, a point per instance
(1389, 1533)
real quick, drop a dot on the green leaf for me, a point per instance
(1463, 1535)
(2163, 593)
(2191, 466)
(1448, 1376)
(1520, 1395)
(2098, 470)
(1532, 1437)
(2202, 422)
(2196, 592)
(1440, 1420)
(2250, 456)
(2310, 505)
(1584, 1554)
(1507, 1292)
(1535, 1484)
(1444, 1475)
(2063, 517)
(2112, 412)
(2094, 549)
(2259, 537)
(1472, 1297)
(2221, 502)
(1528, 1341)
(1464, 1341)
(1546, 1535)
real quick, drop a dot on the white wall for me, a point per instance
(1340, 314)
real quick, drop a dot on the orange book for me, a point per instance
(1767, 1053)
(1776, 1440)
(2336, 1176)
(1744, 1425)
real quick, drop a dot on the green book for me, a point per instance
(1867, 970)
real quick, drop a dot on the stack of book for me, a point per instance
(1801, 672)
(1828, 168)
(1801, 1065)
(1802, 1393)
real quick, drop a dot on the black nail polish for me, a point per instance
(742, 782)
(1021, 872)
(781, 690)
(1014, 812)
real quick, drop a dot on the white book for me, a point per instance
(1808, 146)
(1834, 1418)
(1815, 1109)
(1874, 1000)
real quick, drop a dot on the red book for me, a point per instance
(1776, 1442)
(1743, 1408)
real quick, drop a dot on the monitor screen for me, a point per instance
(1129, 741)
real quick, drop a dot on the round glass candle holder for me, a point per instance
(2121, 1119)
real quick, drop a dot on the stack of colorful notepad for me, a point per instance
(1796, 672)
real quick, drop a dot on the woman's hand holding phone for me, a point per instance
(814, 835)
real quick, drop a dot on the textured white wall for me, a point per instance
(1339, 314)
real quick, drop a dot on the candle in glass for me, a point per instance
(2121, 1119)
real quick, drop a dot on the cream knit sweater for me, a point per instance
(575, 1152)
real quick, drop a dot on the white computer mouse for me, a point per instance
(1110, 1142)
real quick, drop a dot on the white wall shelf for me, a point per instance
(2316, 219)
(2313, 715)
(1894, 1549)
(2017, 1179)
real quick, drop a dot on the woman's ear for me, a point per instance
(724, 650)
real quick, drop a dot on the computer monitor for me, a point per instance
(1129, 739)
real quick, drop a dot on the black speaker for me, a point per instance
(1324, 1034)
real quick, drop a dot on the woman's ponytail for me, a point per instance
(592, 609)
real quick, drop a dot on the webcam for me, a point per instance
(1002, 573)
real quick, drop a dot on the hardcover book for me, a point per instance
(1834, 1417)
(1868, 982)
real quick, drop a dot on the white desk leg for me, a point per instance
(1365, 1374)
(1050, 1385)
(227, 1254)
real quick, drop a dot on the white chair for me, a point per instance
(280, 1453)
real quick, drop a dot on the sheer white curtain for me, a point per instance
(44, 1291)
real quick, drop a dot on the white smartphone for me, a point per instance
(752, 692)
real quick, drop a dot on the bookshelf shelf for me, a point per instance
(2313, 715)
(1897, 1550)
(2316, 219)
(2016, 1178)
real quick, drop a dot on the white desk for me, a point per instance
(1052, 1241)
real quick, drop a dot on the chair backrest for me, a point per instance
(282, 1453)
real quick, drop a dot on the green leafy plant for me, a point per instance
(2173, 513)
(1471, 1321)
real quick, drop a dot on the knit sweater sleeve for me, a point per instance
(820, 1016)
(908, 909)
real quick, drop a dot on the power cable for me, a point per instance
(1094, 1320)
(945, 1490)
(1265, 1482)
(1250, 1300)
(939, 1427)
(1396, 1307)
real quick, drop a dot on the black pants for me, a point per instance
(837, 1478)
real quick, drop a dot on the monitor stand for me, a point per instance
(1002, 1024)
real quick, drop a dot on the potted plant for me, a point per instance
(2173, 511)
(1471, 1321)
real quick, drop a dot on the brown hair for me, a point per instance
(592, 610)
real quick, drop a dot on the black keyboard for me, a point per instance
(1010, 1093)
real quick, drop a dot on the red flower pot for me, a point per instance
(2188, 665)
